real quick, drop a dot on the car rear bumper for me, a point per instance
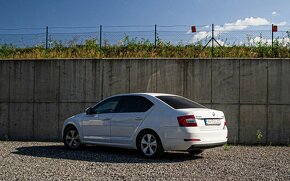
(205, 146)
(181, 145)
(186, 139)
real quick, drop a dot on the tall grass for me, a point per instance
(132, 48)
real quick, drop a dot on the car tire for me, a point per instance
(149, 144)
(71, 138)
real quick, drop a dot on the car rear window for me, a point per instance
(179, 102)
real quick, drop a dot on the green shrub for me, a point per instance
(134, 48)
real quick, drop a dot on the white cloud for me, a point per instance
(240, 24)
(255, 41)
(274, 13)
(283, 23)
(200, 36)
(245, 23)
(284, 41)
(268, 42)
(222, 43)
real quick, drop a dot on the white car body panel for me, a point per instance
(96, 128)
(122, 129)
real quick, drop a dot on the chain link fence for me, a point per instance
(206, 36)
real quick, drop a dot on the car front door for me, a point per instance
(131, 112)
(96, 124)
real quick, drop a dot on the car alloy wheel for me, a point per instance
(149, 144)
(72, 138)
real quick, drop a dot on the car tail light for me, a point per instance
(225, 124)
(187, 121)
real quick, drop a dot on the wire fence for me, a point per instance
(177, 35)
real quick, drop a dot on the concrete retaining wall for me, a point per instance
(36, 96)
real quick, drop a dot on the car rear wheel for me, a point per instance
(149, 144)
(71, 138)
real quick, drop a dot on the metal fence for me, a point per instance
(225, 35)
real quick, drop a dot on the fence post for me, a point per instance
(212, 40)
(272, 39)
(101, 28)
(46, 38)
(155, 36)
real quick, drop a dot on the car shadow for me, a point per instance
(101, 154)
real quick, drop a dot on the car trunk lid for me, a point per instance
(208, 119)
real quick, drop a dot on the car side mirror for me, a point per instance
(89, 110)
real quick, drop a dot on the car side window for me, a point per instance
(107, 106)
(134, 104)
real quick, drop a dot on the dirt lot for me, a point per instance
(51, 161)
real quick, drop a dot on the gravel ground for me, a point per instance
(51, 161)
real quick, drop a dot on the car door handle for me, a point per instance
(138, 119)
(107, 119)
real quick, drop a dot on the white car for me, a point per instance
(150, 122)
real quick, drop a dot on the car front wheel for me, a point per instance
(71, 138)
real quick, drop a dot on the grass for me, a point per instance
(259, 138)
(131, 48)
(226, 147)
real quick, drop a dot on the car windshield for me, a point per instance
(179, 102)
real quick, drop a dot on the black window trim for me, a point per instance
(138, 96)
(120, 98)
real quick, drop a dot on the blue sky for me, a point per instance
(41, 13)
(235, 14)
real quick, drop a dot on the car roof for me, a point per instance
(149, 94)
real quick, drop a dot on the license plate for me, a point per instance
(212, 121)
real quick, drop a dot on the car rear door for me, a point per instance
(131, 112)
